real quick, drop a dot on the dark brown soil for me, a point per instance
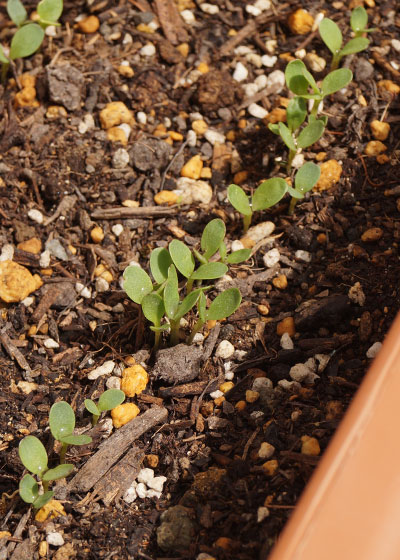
(206, 449)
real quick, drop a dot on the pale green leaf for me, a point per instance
(296, 113)
(43, 499)
(182, 257)
(33, 455)
(187, 304)
(286, 136)
(331, 35)
(270, 192)
(210, 271)
(61, 471)
(239, 200)
(50, 10)
(213, 236)
(91, 407)
(153, 308)
(61, 420)
(238, 256)
(110, 399)
(306, 177)
(3, 58)
(310, 134)
(171, 294)
(137, 283)
(76, 440)
(355, 45)
(224, 304)
(16, 11)
(359, 19)
(26, 41)
(28, 489)
(336, 80)
(160, 261)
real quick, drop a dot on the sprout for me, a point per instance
(107, 401)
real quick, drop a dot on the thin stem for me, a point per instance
(335, 61)
(174, 336)
(4, 71)
(63, 452)
(199, 324)
(247, 221)
(95, 419)
(157, 339)
(189, 286)
(292, 153)
(45, 484)
(315, 107)
(292, 205)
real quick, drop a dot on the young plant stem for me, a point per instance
(335, 61)
(189, 286)
(95, 419)
(199, 324)
(174, 336)
(292, 205)
(45, 484)
(157, 339)
(63, 453)
(4, 71)
(247, 222)
(292, 153)
(315, 107)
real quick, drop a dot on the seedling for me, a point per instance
(304, 180)
(34, 458)
(29, 36)
(359, 21)
(333, 38)
(62, 425)
(267, 194)
(107, 401)
(299, 80)
(161, 302)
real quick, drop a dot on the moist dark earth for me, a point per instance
(334, 286)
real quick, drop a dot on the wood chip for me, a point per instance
(171, 21)
(142, 212)
(111, 450)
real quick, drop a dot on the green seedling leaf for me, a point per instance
(137, 283)
(306, 177)
(331, 35)
(76, 440)
(3, 58)
(213, 236)
(298, 78)
(61, 471)
(110, 399)
(182, 257)
(61, 420)
(187, 304)
(311, 133)
(160, 261)
(26, 41)
(91, 407)
(336, 80)
(294, 193)
(16, 11)
(50, 10)
(171, 294)
(43, 499)
(223, 251)
(28, 489)
(270, 192)
(210, 271)
(296, 113)
(274, 128)
(355, 45)
(202, 304)
(33, 455)
(238, 256)
(287, 137)
(224, 304)
(359, 19)
(239, 200)
(153, 308)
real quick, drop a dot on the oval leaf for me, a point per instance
(187, 304)
(201, 307)
(182, 257)
(28, 489)
(213, 236)
(76, 440)
(238, 256)
(61, 471)
(91, 407)
(336, 80)
(274, 128)
(61, 420)
(160, 261)
(355, 45)
(295, 194)
(359, 19)
(3, 58)
(26, 41)
(210, 271)
(171, 294)
(331, 35)
(296, 113)
(307, 176)
(295, 80)
(137, 283)
(16, 11)
(43, 499)
(110, 399)
(269, 193)
(286, 136)
(310, 134)
(224, 304)
(239, 200)
(153, 308)
(50, 10)
(33, 455)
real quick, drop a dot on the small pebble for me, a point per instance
(83, 291)
(216, 394)
(373, 350)
(250, 89)
(7, 252)
(303, 256)
(237, 245)
(395, 44)
(148, 50)
(310, 446)
(214, 137)
(270, 467)
(253, 10)
(188, 16)
(210, 9)
(257, 111)
(298, 161)
(271, 258)
(252, 396)
(268, 60)
(262, 513)
(191, 138)
(225, 350)
(198, 338)
(117, 229)
(276, 81)
(372, 234)
(286, 342)
(157, 483)
(261, 81)
(55, 539)
(141, 490)
(286, 326)
(104, 369)
(130, 495)
(120, 159)
(240, 73)
(36, 216)
(113, 382)
(56, 249)
(51, 343)
(44, 260)
(266, 450)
